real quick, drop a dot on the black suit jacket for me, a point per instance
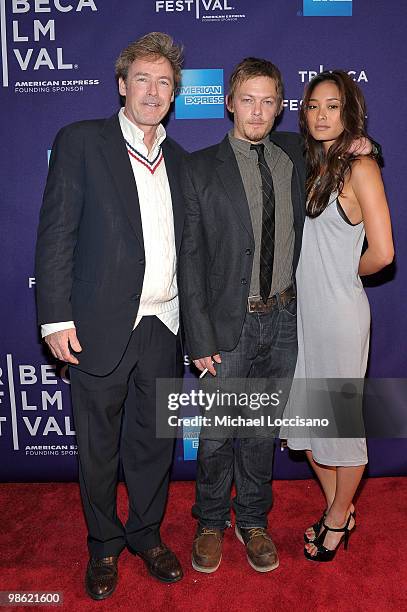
(90, 254)
(217, 250)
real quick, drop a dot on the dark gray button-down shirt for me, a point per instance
(281, 169)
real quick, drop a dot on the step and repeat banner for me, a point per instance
(58, 60)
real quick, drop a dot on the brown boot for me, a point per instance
(207, 549)
(101, 577)
(261, 551)
(162, 563)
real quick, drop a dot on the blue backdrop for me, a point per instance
(58, 66)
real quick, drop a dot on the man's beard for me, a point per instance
(256, 135)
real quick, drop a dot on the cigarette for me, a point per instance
(202, 374)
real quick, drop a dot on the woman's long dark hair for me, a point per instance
(326, 171)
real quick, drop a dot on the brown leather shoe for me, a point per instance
(261, 551)
(207, 549)
(162, 563)
(101, 577)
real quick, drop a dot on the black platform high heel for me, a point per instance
(325, 554)
(316, 527)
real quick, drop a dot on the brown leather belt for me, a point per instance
(256, 304)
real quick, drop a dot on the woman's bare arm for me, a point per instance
(367, 185)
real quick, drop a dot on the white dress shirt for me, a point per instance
(159, 294)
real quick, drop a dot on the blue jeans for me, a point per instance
(267, 348)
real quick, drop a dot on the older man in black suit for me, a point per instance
(110, 230)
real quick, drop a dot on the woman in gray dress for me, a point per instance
(346, 201)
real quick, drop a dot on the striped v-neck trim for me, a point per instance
(150, 165)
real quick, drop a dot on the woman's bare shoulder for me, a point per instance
(364, 167)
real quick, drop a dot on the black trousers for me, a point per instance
(115, 419)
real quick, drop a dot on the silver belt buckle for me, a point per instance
(250, 307)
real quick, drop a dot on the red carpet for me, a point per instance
(371, 575)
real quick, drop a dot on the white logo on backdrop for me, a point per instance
(39, 413)
(203, 10)
(357, 75)
(28, 47)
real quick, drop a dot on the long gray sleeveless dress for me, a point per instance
(333, 321)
